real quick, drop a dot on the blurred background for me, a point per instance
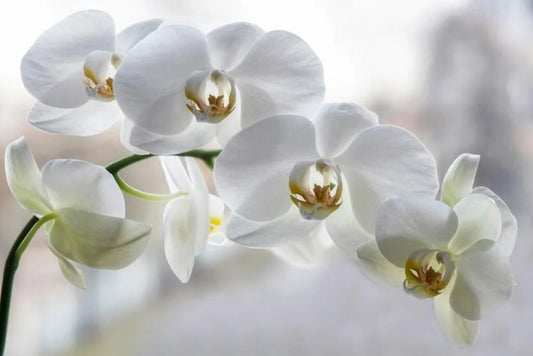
(458, 73)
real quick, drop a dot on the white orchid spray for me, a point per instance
(180, 87)
(455, 251)
(70, 69)
(297, 177)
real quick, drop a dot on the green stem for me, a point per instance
(126, 188)
(114, 168)
(207, 156)
(10, 268)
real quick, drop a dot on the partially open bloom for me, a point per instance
(180, 87)
(286, 175)
(70, 69)
(190, 219)
(84, 208)
(455, 251)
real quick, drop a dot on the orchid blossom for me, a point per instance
(82, 209)
(189, 220)
(455, 251)
(285, 176)
(179, 88)
(70, 69)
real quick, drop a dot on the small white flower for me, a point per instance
(286, 175)
(455, 251)
(70, 69)
(189, 220)
(180, 87)
(86, 208)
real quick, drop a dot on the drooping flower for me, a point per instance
(180, 87)
(286, 175)
(70, 69)
(85, 208)
(191, 219)
(455, 251)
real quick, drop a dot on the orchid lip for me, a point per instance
(428, 272)
(316, 188)
(99, 70)
(212, 95)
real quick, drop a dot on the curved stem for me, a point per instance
(207, 156)
(114, 168)
(10, 268)
(126, 188)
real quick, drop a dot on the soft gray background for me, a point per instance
(457, 73)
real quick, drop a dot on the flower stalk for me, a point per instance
(10, 268)
(114, 168)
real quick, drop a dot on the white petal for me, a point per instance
(377, 266)
(337, 124)
(305, 252)
(459, 179)
(218, 219)
(72, 273)
(91, 118)
(141, 141)
(405, 225)
(229, 44)
(149, 84)
(287, 228)
(52, 70)
(82, 185)
(459, 329)
(252, 172)
(479, 218)
(199, 206)
(175, 174)
(509, 226)
(178, 237)
(24, 179)
(280, 75)
(216, 207)
(129, 37)
(344, 229)
(126, 134)
(197, 217)
(97, 240)
(385, 161)
(484, 280)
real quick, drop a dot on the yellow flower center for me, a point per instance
(214, 223)
(428, 272)
(212, 95)
(316, 188)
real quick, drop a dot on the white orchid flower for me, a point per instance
(180, 87)
(191, 219)
(286, 175)
(84, 209)
(70, 69)
(455, 251)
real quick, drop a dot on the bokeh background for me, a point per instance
(458, 73)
